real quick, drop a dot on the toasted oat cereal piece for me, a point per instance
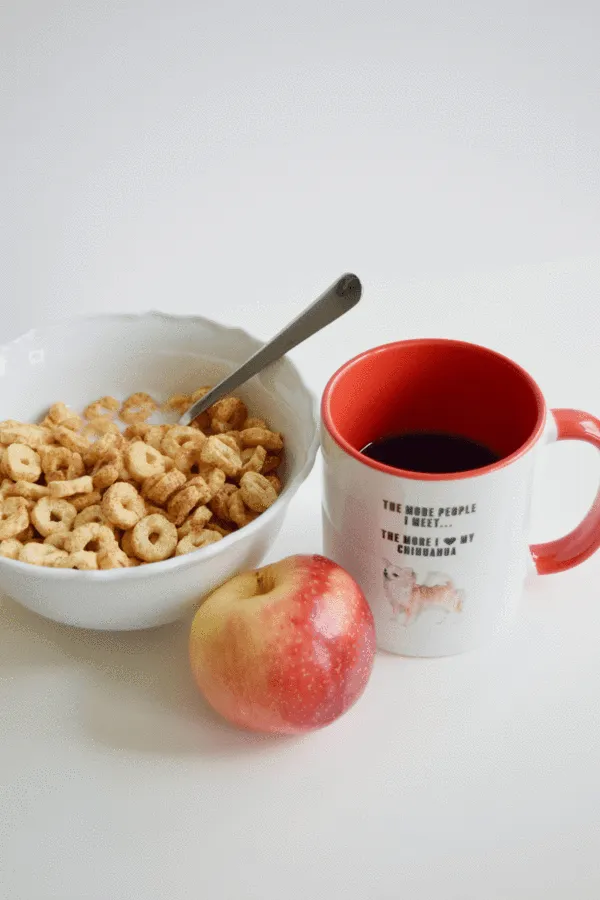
(183, 502)
(107, 470)
(238, 512)
(151, 509)
(181, 437)
(253, 459)
(90, 514)
(262, 437)
(219, 528)
(188, 461)
(41, 554)
(114, 558)
(27, 490)
(78, 443)
(220, 502)
(104, 408)
(10, 548)
(82, 485)
(127, 542)
(21, 463)
(137, 408)
(104, 445)
(6, 488)
(178, 402)
(275, 482)
(90, 537)
(33, 436)
(195, 540)
(60, 414)
(217, 452)
(122, 506)
(14, 517)
(143, 461)
(200, 392)
(82, 501)
(160, 491)
(84, 560)
(57, 539)
(257, 493)
(196, 522)
(154, 538)
(51, 514)
(28, 534)
(228, 414)
(60, 464)
(253, 422)
(98, 428)
(270, 464)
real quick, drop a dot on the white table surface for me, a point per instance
(233, 163)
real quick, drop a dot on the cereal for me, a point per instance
(57, 539)
(85, 560)
(122, 505)
(253, 459)
(183, 502)
(179, 403)
(82, 501)
(14, 517)
(137, 408)
(85, 493)
(90, 514)
(220, 502)
(143, 461)
(197, 539)
(21, 463)
(27, 490)
(196, 522)
(60, 464)
(10, 548)
(276, 482)
(41, 554)
(238, 512)
(113, 558)
(262, 437)
(51, 514)
(257, 493)
(154, 538)
(92, 537)
(217, 452)
(68, 438)
(83, 485)
(163, 487)
(104, 408)
(228, 414)
(181, 437)
(107, 470)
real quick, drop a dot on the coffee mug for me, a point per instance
(442, 558)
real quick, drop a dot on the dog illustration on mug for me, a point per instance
(406, 596)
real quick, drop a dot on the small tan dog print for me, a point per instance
(406, 596)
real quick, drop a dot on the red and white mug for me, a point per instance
(442, 559)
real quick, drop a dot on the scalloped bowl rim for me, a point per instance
(187, 559)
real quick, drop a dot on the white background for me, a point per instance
(232, 159)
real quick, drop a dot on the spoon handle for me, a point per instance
(333, 303)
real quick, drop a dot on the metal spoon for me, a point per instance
(337, 300)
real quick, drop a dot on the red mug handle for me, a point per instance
(579, 544)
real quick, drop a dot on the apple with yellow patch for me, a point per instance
(286, 648)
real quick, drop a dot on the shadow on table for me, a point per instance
(137, 692)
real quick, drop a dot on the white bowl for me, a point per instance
(82, 359)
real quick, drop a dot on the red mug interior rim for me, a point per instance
(347, 447)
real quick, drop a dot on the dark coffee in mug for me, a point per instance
(430, 451)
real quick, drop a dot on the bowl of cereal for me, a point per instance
(113, 516)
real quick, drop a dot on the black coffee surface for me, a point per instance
(430, 451)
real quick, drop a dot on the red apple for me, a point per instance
(286, 648)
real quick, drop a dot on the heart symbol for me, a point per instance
(449, 541)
